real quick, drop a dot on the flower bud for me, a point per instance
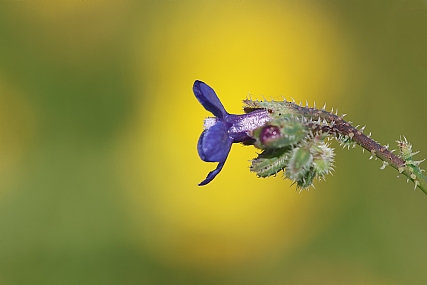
(279, 133)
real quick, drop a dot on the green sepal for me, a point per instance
(270, 162)
(306, 179)
(299, 163)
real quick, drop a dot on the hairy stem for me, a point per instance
(337, 126)
(322, 121)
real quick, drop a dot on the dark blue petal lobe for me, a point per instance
(213, 146)
(212, 174)
(207, 97)
(214, 143)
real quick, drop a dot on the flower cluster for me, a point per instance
(292, 140)
(289, 144)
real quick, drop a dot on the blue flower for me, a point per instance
(224, 129)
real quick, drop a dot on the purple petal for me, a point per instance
(207, 97)
(212, 174)
(244, 124)
(214, 143)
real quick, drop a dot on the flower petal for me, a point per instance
(214, 143)
(212, 174)
(207, 97)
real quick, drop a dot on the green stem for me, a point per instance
(420, 179)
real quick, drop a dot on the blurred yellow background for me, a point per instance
(99, 128)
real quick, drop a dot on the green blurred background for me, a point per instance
(99, 126)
